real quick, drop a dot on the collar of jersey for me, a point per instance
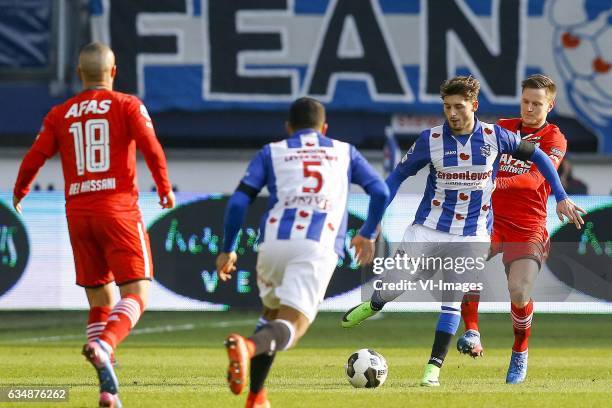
(304, 132)
(460, 138)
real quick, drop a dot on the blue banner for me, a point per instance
(25, 33)
(355, 55)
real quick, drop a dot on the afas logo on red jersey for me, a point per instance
(87, 107)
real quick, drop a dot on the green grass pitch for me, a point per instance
(176, 359)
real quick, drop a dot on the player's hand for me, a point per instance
(570, 210)
(167, 201)
(364, 249)
(17, 204)
(226, 264)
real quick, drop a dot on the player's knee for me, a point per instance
(519, 293)
(139, 288)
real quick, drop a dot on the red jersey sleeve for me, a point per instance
(46, 140)
(141, 127)
(555, 146)
(44, 147)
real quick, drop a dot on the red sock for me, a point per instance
(98, 315)
(469, 310)
(521, 322)
(122, 319)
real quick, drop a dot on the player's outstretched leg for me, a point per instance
(517, 371)
(448, 322)
(469, 342)
(98, 355)
(363, 311)
(357, 314)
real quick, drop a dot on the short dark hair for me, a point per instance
(539, 81)
(306, 113)
(466, 86)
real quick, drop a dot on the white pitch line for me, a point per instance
(136, 332)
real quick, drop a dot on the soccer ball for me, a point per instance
(366, 368)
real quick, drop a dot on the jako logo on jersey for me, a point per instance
(485, 150)
(410, 151)
(464, 175)
(450, 152)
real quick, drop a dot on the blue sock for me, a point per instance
(448, 323)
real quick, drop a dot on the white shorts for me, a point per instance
(423, 242)
(294, 273)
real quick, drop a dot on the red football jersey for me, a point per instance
(521, 191)
(96, 133)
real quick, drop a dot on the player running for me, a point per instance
(519, 227)
(462, 155)
(301, 236)
(96, 134)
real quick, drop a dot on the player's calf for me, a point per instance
(122, 320)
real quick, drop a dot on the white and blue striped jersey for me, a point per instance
(462, 171)
(308, 177)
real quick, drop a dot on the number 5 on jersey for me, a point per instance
(310, 172)
(94, 155)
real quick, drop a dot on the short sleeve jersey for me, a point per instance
(96, 134)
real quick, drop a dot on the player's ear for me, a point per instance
(475, 105)
(113, 72)
(551, 104)
(324, 128)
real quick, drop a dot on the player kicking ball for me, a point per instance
(96, 134)
(519, 226)
(301, 236)
(455, 209)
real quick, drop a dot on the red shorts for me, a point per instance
(519, 242)
(109, 249)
